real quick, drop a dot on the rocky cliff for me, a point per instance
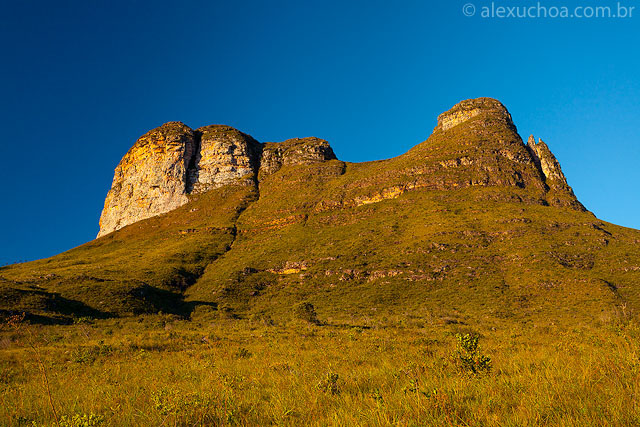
(173, 161)
(475, 143)
(224, 156)
(150, 179)
(560, 193)
(294, 151)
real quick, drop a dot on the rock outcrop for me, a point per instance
(225, 156)
(293, 151)
(172, 161)
(561, 193)
(488, 151)
(150, 179)
(470, 108)
(547, 162)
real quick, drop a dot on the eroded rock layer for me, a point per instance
(560, 193)
(294, 151)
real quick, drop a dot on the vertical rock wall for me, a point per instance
(225, 156)
(150, 179)
(170, 162)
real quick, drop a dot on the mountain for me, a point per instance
(471, 225)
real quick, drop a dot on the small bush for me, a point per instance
(84, 420)
(467, 355)
(77, 420)
(307, 312)
(184, 409)
(88, 354)
(7, 374)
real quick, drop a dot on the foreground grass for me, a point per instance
(160, 370)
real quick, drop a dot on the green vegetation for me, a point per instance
(459, 227)
(468, 355)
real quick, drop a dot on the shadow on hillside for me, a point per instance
(74, 308)
(191, 305)
(36, 319)
(170, 302)
(47, 308)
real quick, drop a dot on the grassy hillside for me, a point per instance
(462, 227)
(143, 268)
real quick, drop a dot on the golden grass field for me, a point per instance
(160, 370)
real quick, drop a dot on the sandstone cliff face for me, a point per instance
(225, 156)
(150, 179)
(547, 162)
(477, 144)
(168, 163)
(489, 151)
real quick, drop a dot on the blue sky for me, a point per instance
(81, 81)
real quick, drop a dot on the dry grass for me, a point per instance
(164, 371)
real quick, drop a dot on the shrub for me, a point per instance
(376, 395)
(84, 420)
(184, 408)
(77, 420)
(467, 355)
(88, 354)
(307, 312)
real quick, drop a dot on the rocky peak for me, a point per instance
(547, 162)
(150, 178)
(560, 193)
(474, 144)
(466, 110)
(477, 144)
(172, 161)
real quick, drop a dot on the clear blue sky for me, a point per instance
(82, 80)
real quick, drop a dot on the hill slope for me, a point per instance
(469, 226)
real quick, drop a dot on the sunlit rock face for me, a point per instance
(560, 193)
(172, 161)
(547, 162)
(471, 108)
(150, 179)
(225, 156)
(293, 152)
